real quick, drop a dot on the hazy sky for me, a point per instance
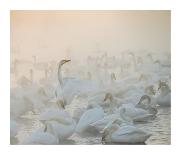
(48, 34)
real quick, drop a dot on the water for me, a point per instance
(160, 128)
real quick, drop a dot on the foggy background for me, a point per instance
(59, 34)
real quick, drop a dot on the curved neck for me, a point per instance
(61, 83)
(60, 76)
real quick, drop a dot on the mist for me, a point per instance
(90, 77)
(53, 34)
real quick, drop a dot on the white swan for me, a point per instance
(61, 130)
(59, 92)
(100, 124)
(148, 105)
(164, 99)
(111, 103)
(136, 114)
(59, 123)
(90, 116)
(70, 87)
(129, 109)
(125, 134)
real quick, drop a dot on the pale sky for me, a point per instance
(48, 34)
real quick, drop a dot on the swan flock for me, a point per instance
(103, 98)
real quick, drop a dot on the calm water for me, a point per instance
(159, 128)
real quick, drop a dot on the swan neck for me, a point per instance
(60, 75)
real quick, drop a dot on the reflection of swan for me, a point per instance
(90, 116)
(126, 134)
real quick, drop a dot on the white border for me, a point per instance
(84, 5)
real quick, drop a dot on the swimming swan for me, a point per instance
(90, 116)
(164, 99)
(125, 134)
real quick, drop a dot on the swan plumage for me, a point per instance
(90, 116)
(124, 134)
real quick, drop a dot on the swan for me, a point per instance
(70, 87)
(61, 130)
(102, 123)
(54, 114)
(93, 114)
(59, 122)
(124, 134)
(149, 106)
(136, 114)
(129, 109)
(164, 98)
(60, 97)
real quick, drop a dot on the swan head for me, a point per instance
(63, 62)
(108, 96)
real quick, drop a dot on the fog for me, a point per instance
(90, 77)
(77, 34)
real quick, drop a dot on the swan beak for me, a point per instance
(67, 61)
(64, 61)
